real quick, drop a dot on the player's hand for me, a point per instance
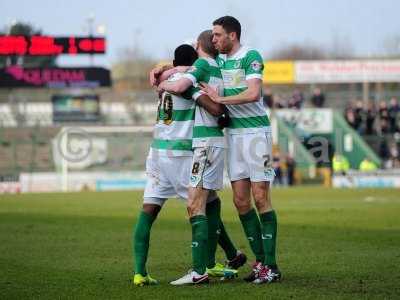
(161, 88)
(210, 91)
(224, 120)
(154, 75)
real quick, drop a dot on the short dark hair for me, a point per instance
(184, 55)
(230, 24)
(205, 41)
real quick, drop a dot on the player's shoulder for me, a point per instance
(251, 52)
(201, 62)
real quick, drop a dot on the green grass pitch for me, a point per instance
(342, 244)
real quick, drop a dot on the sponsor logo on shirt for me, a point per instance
(256, 65)
(234, 78)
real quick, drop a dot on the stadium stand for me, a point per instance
(7, 118)
(115, 113)
(26, 149)
(37, 114)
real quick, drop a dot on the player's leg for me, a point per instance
(213, 212)
(209, 176)
(262, 175)
(141, 238)
(262, 198)
(197, 197)
(212, 180)
(158, 189)
(235, 258)
(217, 232)
(239, 174)
(199, 223)
(248, 216)
(225, 242)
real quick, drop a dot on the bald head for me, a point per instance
(205, 43)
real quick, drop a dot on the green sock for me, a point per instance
(225, 242)
(199, 243)
(213, 211)
(269, 231)
(141, 242)
(252, 229)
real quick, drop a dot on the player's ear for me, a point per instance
(232, 36)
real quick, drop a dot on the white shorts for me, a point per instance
(168, 177)
(207, 170)
(250, 156)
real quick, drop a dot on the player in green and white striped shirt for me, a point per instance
(249, 144)
(171, 148)
(208, 144)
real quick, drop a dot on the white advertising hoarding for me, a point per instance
(308, 120)
(347, 71)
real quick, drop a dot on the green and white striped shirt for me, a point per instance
(175, 119)
(206, 131)
(245, 64)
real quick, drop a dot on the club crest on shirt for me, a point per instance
(237, 64)
(256, 65)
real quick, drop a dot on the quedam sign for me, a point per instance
(18, 77)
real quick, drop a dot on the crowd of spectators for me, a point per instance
(381, 120)
(389, 152)
(370, 119)
(296, 100)
(285, 169)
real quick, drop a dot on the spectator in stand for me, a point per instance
(268, 99)
(370, 115)
(394, 115)
(297, 99)
(358, 116)
(318, 98)
(367, 165)
(279, 102)
(350, 117)
(394, 159)
(340, 164)
(276, 164)
(383, 113)
(290, 170)
(384, 152)
(384, 126)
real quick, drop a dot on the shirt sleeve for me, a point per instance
(254, 65)
(197, 72)
(192, 93)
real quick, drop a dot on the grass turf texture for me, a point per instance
(331, 244)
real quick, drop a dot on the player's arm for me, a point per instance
(253, 67)
(251, 94)
(156, 72)
(175, 87)
(193, 75)
(166, 74)
(212, 107)
(201, 99)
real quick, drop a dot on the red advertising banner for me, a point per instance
(40, 45)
